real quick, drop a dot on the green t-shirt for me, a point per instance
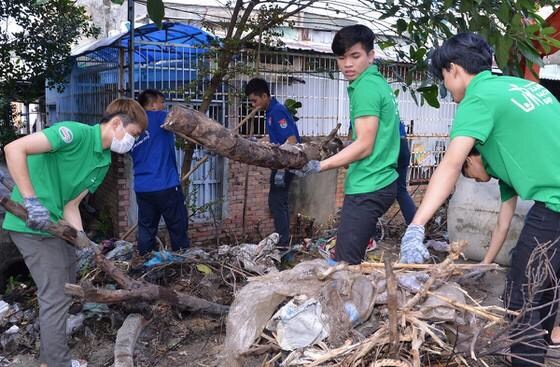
(76, 162)
(370, 95)
(517, 129)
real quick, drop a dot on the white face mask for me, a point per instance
(123, 145)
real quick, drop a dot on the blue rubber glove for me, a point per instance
(413, 250)
(279, 178)
(310, 168)
(38, 216)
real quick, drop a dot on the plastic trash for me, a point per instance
(4, 309)
(299, 323)
(439, 246)
(14, 329)
(434, 308)
(412, 282)
(162, 257)
(74, 323)
(123, 251)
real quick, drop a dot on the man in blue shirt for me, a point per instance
(156, 179)
(281, 129)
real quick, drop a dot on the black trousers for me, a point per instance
(278, 205)
(358, 219)
(151, 206)
(541, 226)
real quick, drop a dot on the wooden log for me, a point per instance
(60, 230)
(146, 292)
(126, 340)
(213, 136)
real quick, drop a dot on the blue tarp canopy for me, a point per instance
(170, 35)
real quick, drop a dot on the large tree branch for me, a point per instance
(213, 136)
(244, 18)
(231, 26)
(255, 32)
(147, 292)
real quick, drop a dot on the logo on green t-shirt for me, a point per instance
(66, 134)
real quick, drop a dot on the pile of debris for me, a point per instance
(406, 315)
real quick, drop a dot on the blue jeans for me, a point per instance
(542, 225)
(151, 206)
(408, 208)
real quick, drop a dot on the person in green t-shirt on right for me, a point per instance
(371, 180)
(513, 123)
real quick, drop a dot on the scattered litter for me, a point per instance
(4, 309)
(122, 251)
(260, 259)
(440, 246)
(74, 323)
(299, 323)
(162, 257)
(14, 329)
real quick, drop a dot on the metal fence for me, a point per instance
(182, 75)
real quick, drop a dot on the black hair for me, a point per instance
(473, 153)
(468, 50)
(348, 36)
(257, 86)
(149, 96)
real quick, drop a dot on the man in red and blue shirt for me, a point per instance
(281, 129)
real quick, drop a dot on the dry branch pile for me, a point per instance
(369, 314)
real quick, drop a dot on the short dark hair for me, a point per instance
(473, 153)
(348, 36)
(149, 96)
(257, 86)
(469, 50)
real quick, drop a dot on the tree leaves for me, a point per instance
(430, 94)
(156, 11)
(513, 28)
(118, 2)
(41, 50)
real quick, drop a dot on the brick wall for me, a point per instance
(341, 177)
(258, 222)
(112, 198)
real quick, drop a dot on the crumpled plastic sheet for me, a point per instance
(258, 258)
(299, 323)
(162, 257)
(413, 281)
(346, 299)
(257, 301)
(439, 246)
(435, 308)
(122, 251)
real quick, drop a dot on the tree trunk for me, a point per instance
(213, 136)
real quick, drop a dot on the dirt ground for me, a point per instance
(185, 339)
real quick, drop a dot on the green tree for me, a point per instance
(35, 45)
(516, 31)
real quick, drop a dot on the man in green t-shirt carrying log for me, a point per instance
(370, 186)
(513, 124)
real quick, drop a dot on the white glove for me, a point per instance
(413, 250)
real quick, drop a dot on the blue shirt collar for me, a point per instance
(273, 102)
